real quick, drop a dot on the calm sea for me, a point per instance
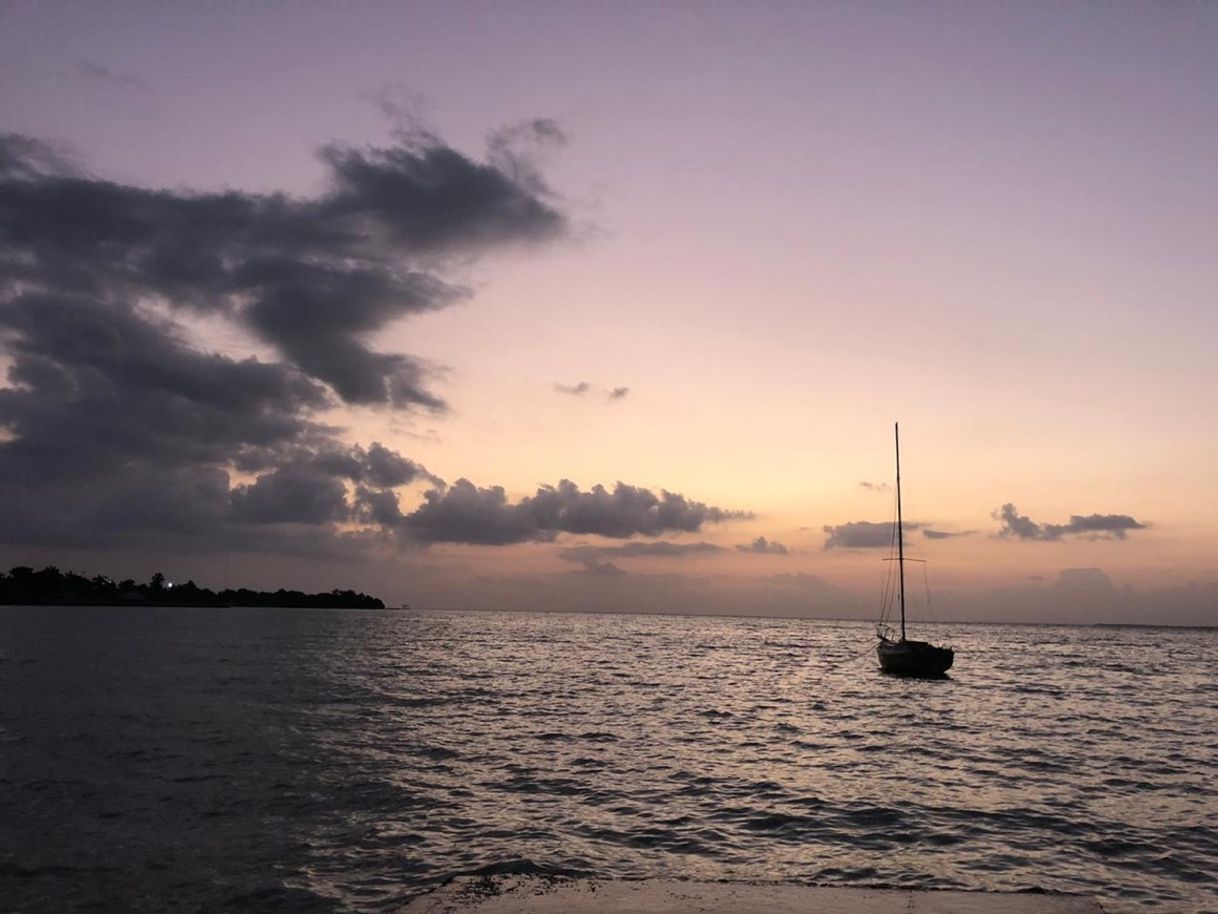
(156, 759)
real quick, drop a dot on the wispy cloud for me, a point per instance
(96, 73)
(945, 534)
(876, 486)
(583, 388)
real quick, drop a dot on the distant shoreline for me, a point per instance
(64, 605)
(870, 622)
(23, 586)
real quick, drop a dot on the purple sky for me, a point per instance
(782, 226)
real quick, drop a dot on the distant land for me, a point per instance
(52, 587)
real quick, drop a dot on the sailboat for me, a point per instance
(905, 657)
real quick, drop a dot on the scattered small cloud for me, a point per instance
(1089, 526)
(876, 486)
(763, 546)
(582, 388)
(95, 72)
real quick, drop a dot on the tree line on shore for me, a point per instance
(52, 587)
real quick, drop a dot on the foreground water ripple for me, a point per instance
(347, 761)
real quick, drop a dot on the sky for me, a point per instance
(613, 306)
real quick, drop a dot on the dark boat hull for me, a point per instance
(914, 658)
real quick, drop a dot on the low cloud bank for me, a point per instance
(763, 546)
(863, 534)
(465, 513)
(1092, 526)
(945, 534)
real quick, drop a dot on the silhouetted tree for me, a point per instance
(23, 585)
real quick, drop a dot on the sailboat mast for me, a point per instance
(896, 428)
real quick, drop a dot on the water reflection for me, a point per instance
(347, 760)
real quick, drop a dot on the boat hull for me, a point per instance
(914, 658)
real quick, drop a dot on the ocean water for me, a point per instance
(211, 759)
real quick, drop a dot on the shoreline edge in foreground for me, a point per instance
(555, 895)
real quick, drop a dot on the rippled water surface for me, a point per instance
(347, 761)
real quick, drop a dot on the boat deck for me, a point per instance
(543, 895)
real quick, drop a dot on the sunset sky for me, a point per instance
(711, 250)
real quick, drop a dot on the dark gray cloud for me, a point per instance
(155, 502)
(1091, 526)
(293, 494)
(945, 534)
(762, 546)
(117, 427)
(465, 513)
(424, 196)
(1015, 524)
(295, 308)
(1103, 526)
(876, 486)
(387, 469)
(27, 158)
(863, 534)
(618, 393)
(378, 507)
(95, 386)
(314, 277)
(307, 487)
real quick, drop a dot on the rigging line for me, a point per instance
(926, 582)
(854, 656)
(788, 682)
(889, 591)
(888, 596)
